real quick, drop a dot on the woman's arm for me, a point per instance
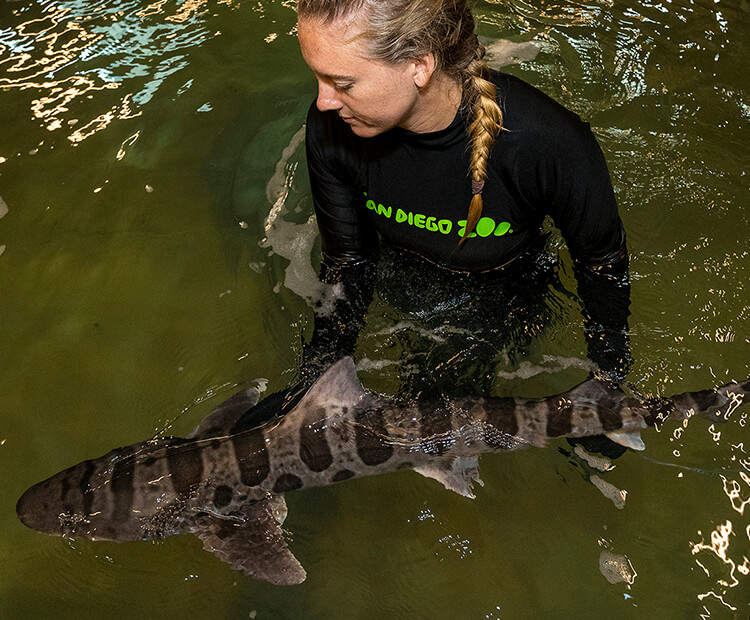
(349, 245)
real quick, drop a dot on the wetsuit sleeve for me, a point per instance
(585, 210)
(349, 245)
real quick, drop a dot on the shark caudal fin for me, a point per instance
(253, 542)
(715, 405)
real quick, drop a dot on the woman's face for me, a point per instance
(370, 95)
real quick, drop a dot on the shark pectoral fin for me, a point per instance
(224, 416)
(253, 543)
(456, 474)
(629, 439)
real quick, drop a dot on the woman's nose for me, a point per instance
(327, 98)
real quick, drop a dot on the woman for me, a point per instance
(414, 141)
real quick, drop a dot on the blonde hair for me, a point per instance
(398, 30)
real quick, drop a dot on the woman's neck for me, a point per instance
(436, 107)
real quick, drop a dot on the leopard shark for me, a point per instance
(225, 483)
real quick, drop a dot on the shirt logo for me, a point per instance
(485, 227)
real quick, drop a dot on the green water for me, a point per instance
(155, 251)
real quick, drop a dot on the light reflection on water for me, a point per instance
(77, 50)
(662, 87)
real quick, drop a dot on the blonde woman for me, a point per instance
(416, 150)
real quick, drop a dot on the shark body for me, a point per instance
(226, 483)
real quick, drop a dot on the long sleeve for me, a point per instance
(349, 248)
(604, 289)
(336, 328)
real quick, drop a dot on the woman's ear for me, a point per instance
(424, 67)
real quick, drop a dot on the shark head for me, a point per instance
(95, 499)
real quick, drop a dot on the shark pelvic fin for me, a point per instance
(629, 439)
(253, 542)
(457, 474)
(224, 417)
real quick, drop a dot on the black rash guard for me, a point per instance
(414, 190)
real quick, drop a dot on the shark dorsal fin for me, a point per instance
(338, 386)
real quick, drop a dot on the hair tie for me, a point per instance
(476, 187)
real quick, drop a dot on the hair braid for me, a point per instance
(487, 121)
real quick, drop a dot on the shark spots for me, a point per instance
(371, 438)
(313, 445)
(609, 416)
(559, 417)
(252, 457)
(185, 467)
(223, 496)
(287, 482)
(501, 416)
(121, 484)
(436, 431)
(341, 475)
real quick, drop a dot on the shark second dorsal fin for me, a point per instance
(254, 542)
(457, 474)
(225, 415)
(338, 386)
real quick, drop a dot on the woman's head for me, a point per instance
(408, 45)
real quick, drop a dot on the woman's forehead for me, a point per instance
(332, 48)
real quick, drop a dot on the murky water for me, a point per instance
(155, 248)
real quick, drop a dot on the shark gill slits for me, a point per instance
(223, 496)
(501, 416)
(559, 418)
(287, 482)
(437, 430)
(341, 475)
(252, 457)
(313, 445)
(371, 438)
(185, 467)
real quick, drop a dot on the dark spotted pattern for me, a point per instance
(437, 427)
(185, 467)
(501, 415)
(223, 496)
(287, 482)
(342, 475)
(313, 446)
(559, 421)
(252, 457)
(371, 438)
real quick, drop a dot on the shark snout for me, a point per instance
(35, 510)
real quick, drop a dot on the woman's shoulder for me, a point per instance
(532, 116)
(526, 104)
